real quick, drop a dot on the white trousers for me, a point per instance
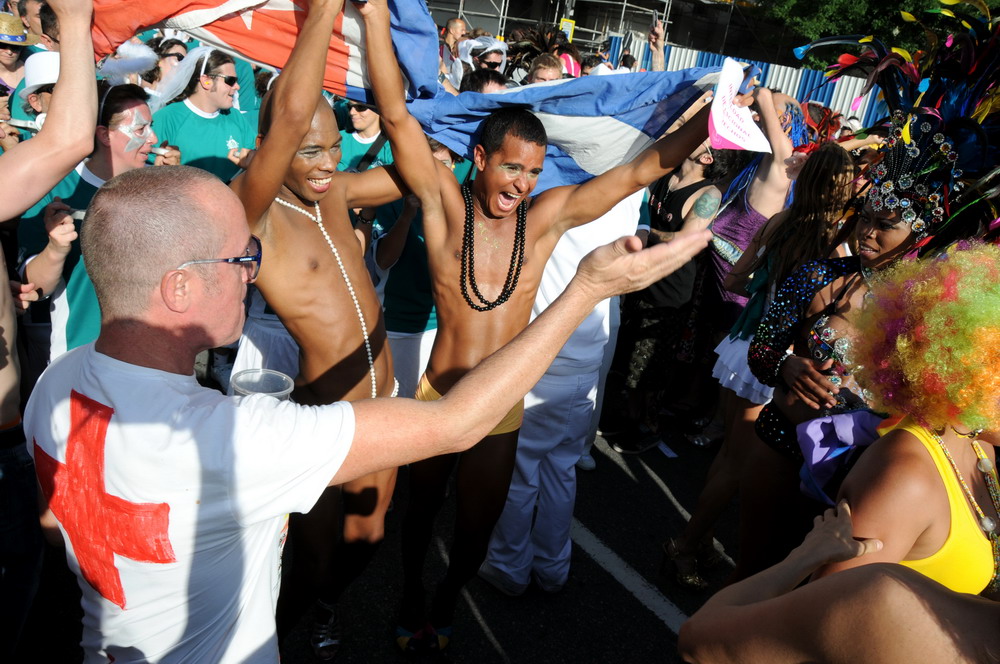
(557, 415)
(410, 354)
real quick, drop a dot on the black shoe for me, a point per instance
(325, 636)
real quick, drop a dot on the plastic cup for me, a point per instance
(263, 381)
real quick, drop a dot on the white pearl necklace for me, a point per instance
(318, 218)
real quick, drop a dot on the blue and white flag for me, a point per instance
(594, 123)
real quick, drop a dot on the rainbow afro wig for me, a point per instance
(929, 338)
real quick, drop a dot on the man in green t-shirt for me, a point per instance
(203, 123)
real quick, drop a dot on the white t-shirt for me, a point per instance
(173, 501)
(584, 350)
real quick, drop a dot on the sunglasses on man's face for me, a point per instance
(11, 47)
(228, 80)
(491, 65)
(360, 108)
(179, 56)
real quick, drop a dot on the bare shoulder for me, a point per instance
(895, 462)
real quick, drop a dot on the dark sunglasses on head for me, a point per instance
(179, 56)
(360, 108)
(228, 80)
(492, 65)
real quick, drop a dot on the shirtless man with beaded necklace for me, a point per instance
(316, 281)
(487, 246)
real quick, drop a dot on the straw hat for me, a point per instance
(12, 31)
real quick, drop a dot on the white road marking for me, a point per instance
(640, 588)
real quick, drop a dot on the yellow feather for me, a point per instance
(902, 52)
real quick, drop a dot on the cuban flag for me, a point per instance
(593, 123)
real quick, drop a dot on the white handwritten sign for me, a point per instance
(731, 127)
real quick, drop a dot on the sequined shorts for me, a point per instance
(778, 433)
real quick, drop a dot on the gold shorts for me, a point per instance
(510, 422)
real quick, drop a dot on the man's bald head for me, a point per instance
(144, 223)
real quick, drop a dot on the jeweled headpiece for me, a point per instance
(938, 167)
(917, 172)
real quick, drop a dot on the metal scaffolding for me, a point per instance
(563, 9)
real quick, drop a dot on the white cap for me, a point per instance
(40, 69)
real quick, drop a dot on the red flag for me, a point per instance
(262, 32)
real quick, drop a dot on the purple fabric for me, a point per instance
(736, 225)
(828, 443)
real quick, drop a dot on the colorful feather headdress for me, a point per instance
(939, 165)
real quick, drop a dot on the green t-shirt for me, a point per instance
(17, 111)
(353, 149)
(204, 139)
(76, 315)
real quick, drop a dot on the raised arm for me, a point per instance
(574, 205)
(768, 191)
(656, 47)
(479, 400)
(412, 156)
(293, 101)
(31, 169)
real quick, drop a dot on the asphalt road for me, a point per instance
(612, 610)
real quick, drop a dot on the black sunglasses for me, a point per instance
(492, 65)
(360, 108)
(228, 80)
(179, 56)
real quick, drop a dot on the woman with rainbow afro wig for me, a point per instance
(929, 339)
(928, 346)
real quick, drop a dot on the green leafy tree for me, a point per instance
(813, 19)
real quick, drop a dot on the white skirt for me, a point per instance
(733, 372)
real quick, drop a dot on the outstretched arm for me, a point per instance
(578, 204)
(293, 102)
(32, 168)
(423, 429)
(410, 151)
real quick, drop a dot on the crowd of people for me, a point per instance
(824, 312)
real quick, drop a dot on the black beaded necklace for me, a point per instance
(468, 256)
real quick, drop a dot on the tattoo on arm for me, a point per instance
(707, 205)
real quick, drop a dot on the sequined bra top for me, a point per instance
(826, 342)
(786, 317)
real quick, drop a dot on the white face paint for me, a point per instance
(138, 131)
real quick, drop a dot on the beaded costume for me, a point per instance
(782, 326)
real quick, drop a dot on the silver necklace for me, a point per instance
(318, 218)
